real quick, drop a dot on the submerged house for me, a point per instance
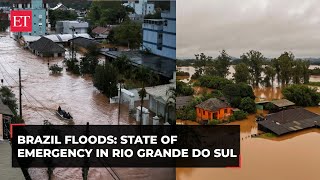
(45, 47)
(213, 109)
(5, 121)
(289, 120)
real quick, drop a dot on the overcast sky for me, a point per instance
(270, 26)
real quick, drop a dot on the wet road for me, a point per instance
(43, 93)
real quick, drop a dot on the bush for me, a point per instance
(184, 89)
(214, 82)
(213, 122)
(72, 66)
(105, 79)
(240, 115)
(248, 105)
(55, 69)
(235, 92)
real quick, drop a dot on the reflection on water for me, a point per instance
(191, 70)
(44, 93)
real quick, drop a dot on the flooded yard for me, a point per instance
(291, 157)
(43, 93)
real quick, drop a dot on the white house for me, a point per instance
(65, 27)
(159, 35)
(141, 7)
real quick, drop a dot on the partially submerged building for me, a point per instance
(289, 120)
(45, 47)
(82, 43)
(72, 27)
(213, 108)
(102, 32)
(6, 116)
(164, 67)
(159, 101)
(40, 16)
(183, 101)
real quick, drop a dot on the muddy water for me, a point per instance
(44, 93)
(290, 157)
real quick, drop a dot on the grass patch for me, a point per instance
(268, 135)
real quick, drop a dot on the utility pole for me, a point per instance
(20, 94)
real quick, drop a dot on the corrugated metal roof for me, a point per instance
(58, 38)
(282, 103)
(183, 101)
(290, 120)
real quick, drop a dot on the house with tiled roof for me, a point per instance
(213, 108)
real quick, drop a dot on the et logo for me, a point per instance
(21, 21)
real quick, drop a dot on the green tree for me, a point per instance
(270, 74)
(242, 73)
(221, 64)
(124, 66)
(201, 62)
(302, 95)
(183, 89)
(8, 98)
(306, 72)
(105, 79)
(286, 67)
(55, 69)
(276, 65)
(235, 92)
(213, 82)
(254, 59)
(145, 76)
(61, 15)
(248, 105)
(129, 33)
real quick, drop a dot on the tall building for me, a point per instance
(141, 7)
(40, 14)
(66, 27)
(159, 35)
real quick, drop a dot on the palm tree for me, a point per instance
(145, 76)
(171, 101)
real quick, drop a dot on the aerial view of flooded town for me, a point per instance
(102, 62)
(253, 64)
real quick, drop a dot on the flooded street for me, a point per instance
(290, 157)
(43, 93)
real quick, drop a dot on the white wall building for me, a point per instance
(65, 27)
(159, 35)
(141, 7)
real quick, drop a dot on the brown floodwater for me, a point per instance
(290, 157)
(42, 95)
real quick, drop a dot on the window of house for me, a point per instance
(225, 111)
(204, 112)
